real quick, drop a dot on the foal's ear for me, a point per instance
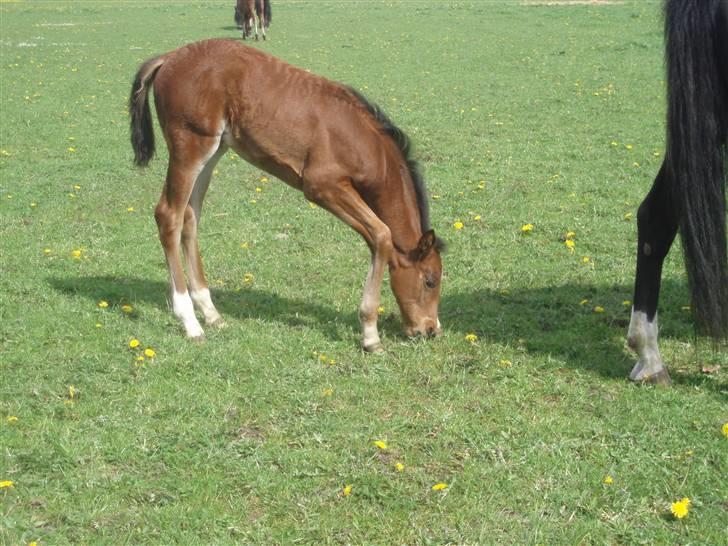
(428, 241)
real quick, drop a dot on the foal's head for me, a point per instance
(416, 285)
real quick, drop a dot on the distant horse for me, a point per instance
(689, 192)
(250, 13)
(314, 134)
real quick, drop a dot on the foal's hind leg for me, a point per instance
(199, 290)
(657, 226)
(344, 201)
(187, 159)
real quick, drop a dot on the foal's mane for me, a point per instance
(405, 146)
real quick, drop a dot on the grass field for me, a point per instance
(549, 115)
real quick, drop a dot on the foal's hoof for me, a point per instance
(198, 338)
(218, 323)
(373, 347)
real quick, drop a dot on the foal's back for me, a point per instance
(273, 114)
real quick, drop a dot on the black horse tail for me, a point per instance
(696, 34)
(142, 130)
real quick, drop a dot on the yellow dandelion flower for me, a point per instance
(627, 303)
(4, 484)
(481, 184)
(628, 146)
(505, 363)
(248, 278)
(527, 228)
(458, 225)
(472, 338)
(614, 143)
(680, 508)
(628, 216)
(570, 244)
(476, 217)
(34, 543)
(134, 343)
(253, 201)
(586, 259)
(140, 358)
(129, 209)
(435, 196)
(99, 325)
(47, 251)
(11, 419)
(380, 310)
(332, 361)
(608, 480)
(244, 245)
(346, 491)
(570, 234)
(71, 149)
(724, 430)
(33, 205)
(149, 352)
(584, 301)
(76, 254)
(103, 304)
(76, 187)
(258, 190)
(599, 309)
(264, 179)
(126, 308)
(322, 357)
(327, 392)
(439, 486)
(399, 467)
(380, 444)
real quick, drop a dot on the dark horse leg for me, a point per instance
(657, 226)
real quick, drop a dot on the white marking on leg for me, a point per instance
(185, 312)
(368, 311)
(642, 337)
(203, 302)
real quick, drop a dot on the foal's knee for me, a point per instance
(167, 222)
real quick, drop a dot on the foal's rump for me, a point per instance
(279, 118)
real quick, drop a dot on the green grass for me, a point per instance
(558, 109)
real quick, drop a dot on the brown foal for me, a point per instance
(314, 134)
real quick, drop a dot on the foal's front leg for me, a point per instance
(657, 227)
(344, 202)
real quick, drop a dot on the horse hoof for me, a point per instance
(197, 339)
(661, 378)
(373, 348)
(218, 323)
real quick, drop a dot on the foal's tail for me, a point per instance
(697, 127)
(142, 131)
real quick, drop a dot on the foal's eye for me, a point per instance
(430, 282)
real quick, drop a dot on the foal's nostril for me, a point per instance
(430, 332)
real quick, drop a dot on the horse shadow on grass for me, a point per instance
(583, 325)
(558, 321)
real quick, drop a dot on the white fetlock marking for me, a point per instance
(642, 336)
(185, 312)
(371, 334)
(203, 302)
